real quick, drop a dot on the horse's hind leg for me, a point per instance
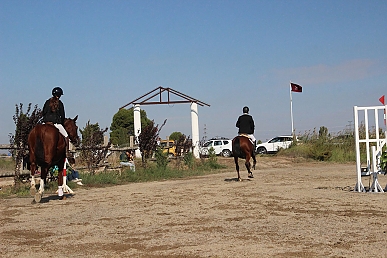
(254, 161)
(237, 167)
(43, 175)
(39, 194)
(33, 185)
(248, 166)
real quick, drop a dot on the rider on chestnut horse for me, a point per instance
(54, 113)
(246, 125)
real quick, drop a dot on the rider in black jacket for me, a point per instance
(246, 125)
(54, 112)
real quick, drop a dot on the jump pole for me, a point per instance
(65, 187)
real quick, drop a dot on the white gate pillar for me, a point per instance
(195, 129)
(137, 126)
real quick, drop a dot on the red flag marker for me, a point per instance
(382, 99)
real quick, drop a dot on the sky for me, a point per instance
(228, 54)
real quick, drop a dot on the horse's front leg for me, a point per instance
(237, 167)
(61, 183)
(41, 186)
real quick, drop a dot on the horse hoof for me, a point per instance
(240, 179)
(32, 190)
(38, 197)
(251, 175)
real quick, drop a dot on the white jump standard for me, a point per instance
(373, 165)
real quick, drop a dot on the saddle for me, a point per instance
(247, 136)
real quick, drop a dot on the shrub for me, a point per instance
(161, 159)
(323, 146)
(189, 160)
(212, 161)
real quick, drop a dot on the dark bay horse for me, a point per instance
(47, 148)
(244, 149)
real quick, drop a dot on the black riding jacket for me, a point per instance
(245, 124)
(57, 117)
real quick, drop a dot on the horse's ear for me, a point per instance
(75, 118)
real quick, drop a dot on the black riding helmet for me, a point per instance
(57, 91)
(246, 110)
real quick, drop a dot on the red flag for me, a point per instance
(296, 87)
(382, 99)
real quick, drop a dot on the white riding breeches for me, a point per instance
(61, 129)
(251, 136)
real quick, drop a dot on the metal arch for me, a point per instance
(144, 99)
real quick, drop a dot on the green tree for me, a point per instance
(323, 133)
(122, 125)
(175, 136)
(92, 133)
(120, 136)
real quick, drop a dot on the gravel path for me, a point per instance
(289, 210)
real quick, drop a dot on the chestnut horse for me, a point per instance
(47, 148)
(244, 149)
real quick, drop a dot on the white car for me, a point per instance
(275, 144)
(221, 147)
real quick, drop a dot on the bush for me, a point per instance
(323, 146)
(189, 160)
(161, 159)
(212, 162)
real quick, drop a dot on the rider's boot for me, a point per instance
(68, 154)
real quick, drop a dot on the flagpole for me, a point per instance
(291, 108)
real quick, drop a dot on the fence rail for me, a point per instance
(113, 148)
(131, 146)
(5, 147)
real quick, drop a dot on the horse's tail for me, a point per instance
(236, 147)
(39, 150)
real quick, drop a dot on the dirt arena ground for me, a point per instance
(290, 209)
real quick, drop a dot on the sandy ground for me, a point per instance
(289, 209)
